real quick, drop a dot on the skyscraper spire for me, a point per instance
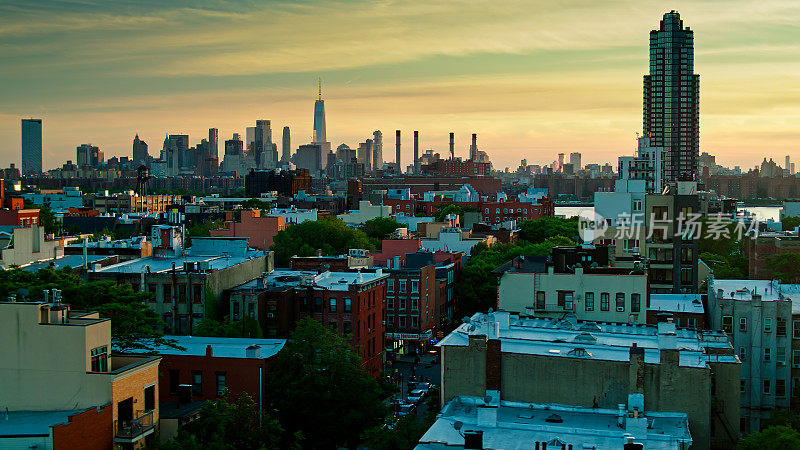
(319, 80)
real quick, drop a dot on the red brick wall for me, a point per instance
(493, 358)
(92, 429)
(241, 375)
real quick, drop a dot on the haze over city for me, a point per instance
(533, 79)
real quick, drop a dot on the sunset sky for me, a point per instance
(532, 78)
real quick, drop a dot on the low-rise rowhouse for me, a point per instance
(591, 364)
(60, 387)
(188, 285)
(207, 368)
(573, 280)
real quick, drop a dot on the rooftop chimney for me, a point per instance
(253, 351)
(452, 145)
(473, 440)
(416, 152)
(473, 149)
(209, 351)
(397, 157)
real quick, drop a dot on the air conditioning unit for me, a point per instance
(270, 315)
(620, 309)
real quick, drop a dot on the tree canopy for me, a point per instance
(232, 424)
(453, 208)
(539, 230)
(380, 227)
(317, 387)
(784, 266)
(328, 234)
(790, 223)
(255, 203)
(777, 437)
(134, 325)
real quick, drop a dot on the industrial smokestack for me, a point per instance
(397, 157)
(452, 146)
(473, 150)
(416, 151)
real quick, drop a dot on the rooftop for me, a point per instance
(333, 281)
(221, 347)
(686, 303)
(32, 423)
(602, 341)
(519, 425)
(770, 290)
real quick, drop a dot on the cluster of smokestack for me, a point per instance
(473, 150)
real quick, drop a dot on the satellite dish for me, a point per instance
(457, 425)
(465, 319)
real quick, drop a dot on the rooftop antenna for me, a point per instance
(319, 80)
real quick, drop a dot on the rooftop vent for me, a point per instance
(554, 418)
(585, 337)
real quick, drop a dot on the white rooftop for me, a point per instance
(332, 281)
(602, 341)
(221, 347)
(686, 303)
(520, 425)
(769, 290)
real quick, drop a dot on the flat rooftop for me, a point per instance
(581, 339)
(156, 265)
(520, 425)
(332, 281)
(677, 303)
(221, 347)
(32, 423)
(769, 290)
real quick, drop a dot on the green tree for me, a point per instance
(539, 230)
(232, 424)
(329, 234)
(773, 438)
(784, 266)
(226, 328)
(318, 388)
(255, 203)
(452, 208)
(403, 435)
(722, 266)
(380, 227)
(48, 221)
(790, 223)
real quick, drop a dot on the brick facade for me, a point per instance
(92, 429)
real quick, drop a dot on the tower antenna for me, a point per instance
(320, 87)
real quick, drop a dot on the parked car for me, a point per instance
(402, 409)
(416, 396)
(424, 386)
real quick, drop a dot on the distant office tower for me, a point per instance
(309, 156)
(377, 150)
(250, 138)
(176, 153)
(319, 119)
(213, 141)
(140, 155)
(788, 164)
(364, 154)
(286, 142)
(399, 168)
(31, 146)
(560, 167)
(671, 98)
(88, 154)
(416, 152)
(234, 146)
(263, 145)
(575, 160)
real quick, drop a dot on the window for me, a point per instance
(768, 325)
(727, 324)
(197, 382)
(540, 300)
(604, 301)
(348, 328)
(152, 289)
(415, 304)
(332, 305)
(221, 384)
(743, 354)
(182, 293)
(389, 302)
(414, 285)
(589, 301)
(401, 321)
(780, 388)
(636, 305)
(390, 321)
(742, 386)
(414, 322)
(620, 301)
(796, 359)
(766, 388)
(166, 293)
(390, 285)
(565, 300)
(174, 381)
(150, 398)
(780, 329)
(236, 306)
(402, 286)
(767, 355)
(251, 310)
(796, 329)
(197, 294)
(780, 355)
(743, 324)
(795, 385)
(99, 359)
(348, 307)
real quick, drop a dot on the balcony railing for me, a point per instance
(131, 430)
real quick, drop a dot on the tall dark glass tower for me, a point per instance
(672, 98)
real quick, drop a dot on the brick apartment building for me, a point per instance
(411, 295)
(759, 248)
(260, 230)
(63, 389)
(352, 303)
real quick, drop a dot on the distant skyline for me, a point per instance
(532, 78)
